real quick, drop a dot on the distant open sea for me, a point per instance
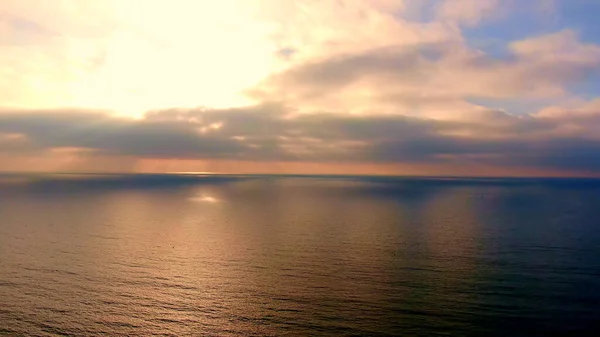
(185, 255)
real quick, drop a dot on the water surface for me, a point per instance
(173, 255)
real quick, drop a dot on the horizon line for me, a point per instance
(207, 173)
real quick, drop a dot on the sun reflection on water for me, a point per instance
(205, 198)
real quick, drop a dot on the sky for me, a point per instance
(404, 87)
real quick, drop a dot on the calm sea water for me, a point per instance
(274, 256)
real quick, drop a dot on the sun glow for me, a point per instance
(174, 54)
(205, 198)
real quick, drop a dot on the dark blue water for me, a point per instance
(85, 255)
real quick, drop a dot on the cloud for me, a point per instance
(422, 77)
(274, 132)
(107, 134)
(336, 81)
(47, 46)
(468, 12)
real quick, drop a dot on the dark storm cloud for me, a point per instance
(272, 132)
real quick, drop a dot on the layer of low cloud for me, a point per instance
(550, 139)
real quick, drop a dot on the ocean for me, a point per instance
(265, 255)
